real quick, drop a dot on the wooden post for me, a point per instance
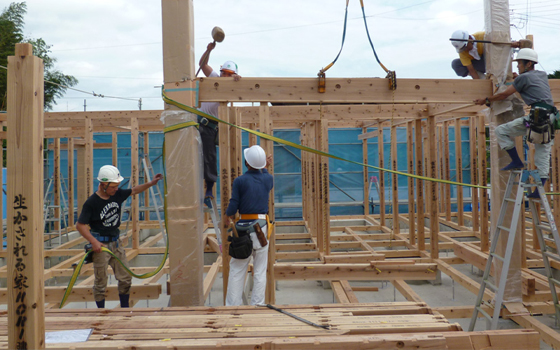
(483, 181)
(474, 174)
(313, 186)
(410, 161)
(323, 209)
(56, 182)
(459, 172)
(419, 185)
(446, 169)
(146, 152)
(26, 294)
(225, 191)
(365, 172)
(442, 203)
(266, 126)
(395, 180)
(115, 148)
(70, 181)
(433, 189)
(184, 195)
(135, 203)
(2, 125)
(381, 182)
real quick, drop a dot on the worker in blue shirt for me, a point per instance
(250, 198)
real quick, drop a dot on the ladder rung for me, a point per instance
(484, 313)
(555, 281)
(501, 258)
(492, 286)
(504, 228)
(552, 255)
(509, 200)
(546, 228)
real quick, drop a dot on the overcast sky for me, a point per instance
(113, 47)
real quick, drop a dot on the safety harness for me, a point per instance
(540, 125)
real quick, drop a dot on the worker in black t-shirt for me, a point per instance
(102, 212)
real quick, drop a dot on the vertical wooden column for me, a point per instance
(313, 185)
(235, 144)
(474, 174)
(266, 126)
(395, 180)
(2, 125)
(483, 181)
(304, 173)
(26, 294)
(433, 189)
(135, 204)
(323, 209)
(70, 181)
(184, 175)
(555, 179)
(366, 173)
(410, 168)
(225, 190)
(146, 151)
(442, 203)
(459, 172)
(419, 184)
(56, 182)
(381, 181)
(88, 175)
(115, 148)
(446, 169)
(253, 137)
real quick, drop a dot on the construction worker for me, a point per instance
(471, 56)
(249, 197)
(102, 212)
(209, 129)
(533, 87)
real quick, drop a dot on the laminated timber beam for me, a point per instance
(342, 90)
(378, 271)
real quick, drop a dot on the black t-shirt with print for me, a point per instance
(104, 215)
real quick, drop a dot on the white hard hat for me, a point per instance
(527, 54)
(109, 173)
(462, 37)
(229, 66)
(255, 157)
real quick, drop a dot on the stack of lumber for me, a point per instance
(402, 325)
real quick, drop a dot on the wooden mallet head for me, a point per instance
(218, 34)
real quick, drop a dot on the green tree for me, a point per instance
(11, 33)
(555, 75)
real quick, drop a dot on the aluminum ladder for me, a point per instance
(212, 208)
(518, 202)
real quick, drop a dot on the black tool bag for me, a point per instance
(539, 125)
(240, 247)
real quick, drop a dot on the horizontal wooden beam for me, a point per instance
(85, 293)
(355, 272)
(342, 90)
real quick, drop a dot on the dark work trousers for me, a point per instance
(208, 136)
(462, 71)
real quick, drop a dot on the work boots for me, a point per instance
(124, 299)
(209, 187)
(516, 162)
(535, 194)
(100, 304)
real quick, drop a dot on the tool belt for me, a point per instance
(207, 122)
(539, 124)
(269, 224)
(246, 227)
(105, 239)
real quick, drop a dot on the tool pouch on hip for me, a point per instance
(539, 126)
(240, 247)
